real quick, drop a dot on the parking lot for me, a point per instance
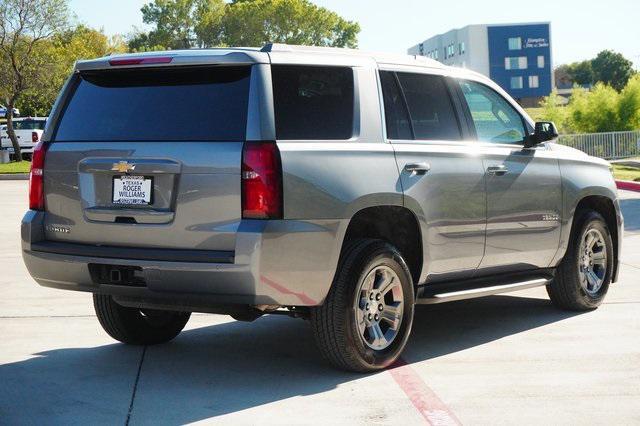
(503, 359)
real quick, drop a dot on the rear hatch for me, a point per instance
(149, 157)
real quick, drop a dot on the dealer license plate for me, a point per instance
(132, 190)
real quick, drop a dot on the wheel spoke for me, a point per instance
(386, 285)
(368, 284)
(592, 279)
(362, 325)
(391, 314)
(376, 334)
(589, 240)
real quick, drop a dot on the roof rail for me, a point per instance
(380, 57)
(281, 47)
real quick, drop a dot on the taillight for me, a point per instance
(36, 184)
(261, 181)
(34, 137)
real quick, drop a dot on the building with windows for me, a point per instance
(516, 56)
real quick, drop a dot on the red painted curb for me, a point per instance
(628, 185)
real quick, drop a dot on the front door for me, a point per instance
(523, 186)
(441, 177)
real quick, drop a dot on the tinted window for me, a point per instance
(313, 102)
(29, 125)
(170, 104)
(494, 118)
(395, 110)
(430, 107)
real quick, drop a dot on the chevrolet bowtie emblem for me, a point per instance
(123, 167)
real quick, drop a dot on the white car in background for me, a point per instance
(3, 112)
(28, 131)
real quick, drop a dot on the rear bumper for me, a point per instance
(6, 144)
(281, 262)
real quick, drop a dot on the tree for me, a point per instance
(552, 110)
(209, 18)
(594, 111)
(629, 105)
(26, 25)
(601, 109)
(180, 24)
(612, 68)
(582, 73)
(62, 51)
(256, 22)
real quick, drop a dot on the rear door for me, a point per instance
(524, 196)
(441, 176)
(149, 157)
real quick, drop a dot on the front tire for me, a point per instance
(138, 326)
(583, 277)
(366, 319)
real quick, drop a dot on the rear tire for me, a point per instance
(138, 326)
(583, 277)
(366, 319)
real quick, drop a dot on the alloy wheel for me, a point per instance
(379, 305)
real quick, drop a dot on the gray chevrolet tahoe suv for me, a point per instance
(326, 184)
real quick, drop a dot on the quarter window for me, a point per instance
(313, 103)
(494, 118)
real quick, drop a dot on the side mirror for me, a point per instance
(544, 131)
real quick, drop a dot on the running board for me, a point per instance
(480, 291)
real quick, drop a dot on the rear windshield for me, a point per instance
(163, 104)
(29, 125)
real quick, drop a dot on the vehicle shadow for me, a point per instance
(224, 368)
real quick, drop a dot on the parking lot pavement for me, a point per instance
(503, 359)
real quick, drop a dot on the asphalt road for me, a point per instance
(499, 360)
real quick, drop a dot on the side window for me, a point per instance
(395, 110)
(313, 103)
(494, 118)
(430, 107)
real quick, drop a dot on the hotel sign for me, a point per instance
(536, 42)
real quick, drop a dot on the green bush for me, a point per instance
(602, 109)
(552, 110)
(629, 105)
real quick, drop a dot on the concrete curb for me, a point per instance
(14, 176)
(628, 185)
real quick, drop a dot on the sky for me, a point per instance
(579, 28)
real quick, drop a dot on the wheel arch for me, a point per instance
(608, 208)
(394, 224)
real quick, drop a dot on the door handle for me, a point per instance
(417, 168)
(500, 170)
